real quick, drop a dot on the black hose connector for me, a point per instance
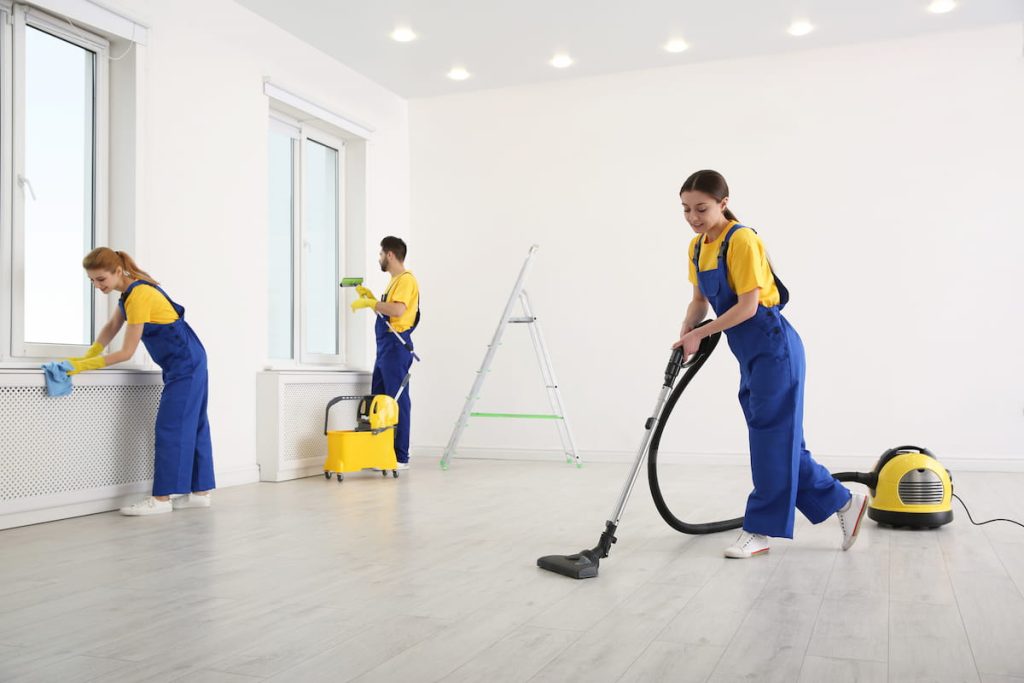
(869, 479)
(675, 364)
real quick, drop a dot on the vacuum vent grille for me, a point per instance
(921, 487)
(302, 420)
(98, 436)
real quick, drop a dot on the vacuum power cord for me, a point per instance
(989, 521)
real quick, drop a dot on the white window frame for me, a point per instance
(12, 146)
(300, 356)
(288, 126)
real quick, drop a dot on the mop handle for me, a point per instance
(394, 332)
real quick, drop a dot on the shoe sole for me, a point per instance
(856, 526)
(747, 557)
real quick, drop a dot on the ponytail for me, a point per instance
(105, 258)
(132, 270)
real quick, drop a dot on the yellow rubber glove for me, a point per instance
(94, 350)
(365, 292)
(83, 364)
(363, 302)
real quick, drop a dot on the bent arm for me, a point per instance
(741, 311)
(695, 312)
(111, 328)
(132, 335)
(391, 309)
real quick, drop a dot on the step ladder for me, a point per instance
(557, 414)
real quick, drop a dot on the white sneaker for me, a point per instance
(403, 465)
(149, 506)
(191, 500)
(850, 516)
(747, 545)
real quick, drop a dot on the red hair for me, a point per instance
(105, 258)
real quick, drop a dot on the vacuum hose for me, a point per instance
(675, 364)
(869, 479)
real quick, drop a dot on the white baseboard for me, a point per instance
(106, 499)
(237, 476)
(836, 463)
(53, 508)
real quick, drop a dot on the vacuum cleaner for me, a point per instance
(584, 564)
(908, 486)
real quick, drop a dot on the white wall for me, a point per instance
(201, 226)
(885, 178)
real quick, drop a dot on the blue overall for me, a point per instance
(184, 453)
(393, 362)
(771, 356)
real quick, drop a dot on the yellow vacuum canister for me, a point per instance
(911, 489)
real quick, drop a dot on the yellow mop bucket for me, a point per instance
(370, 446)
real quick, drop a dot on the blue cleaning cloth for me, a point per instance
(58, 383)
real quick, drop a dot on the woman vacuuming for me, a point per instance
(730, 270)
(184, 455)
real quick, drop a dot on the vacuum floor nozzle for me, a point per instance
(582, 565)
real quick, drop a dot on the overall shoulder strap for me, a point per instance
(124, 295)
(728, 236)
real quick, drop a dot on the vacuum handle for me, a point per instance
(676, 362)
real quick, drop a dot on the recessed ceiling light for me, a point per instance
(403, 34)
(458, 74)
(676, 45)
(941, 6)
(800, 27)
(560, 61)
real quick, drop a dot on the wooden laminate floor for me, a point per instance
(432, 577)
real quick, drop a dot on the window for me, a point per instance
(55, 162)
(281, 157)
(306, 240)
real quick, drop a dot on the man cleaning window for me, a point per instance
(399, 306)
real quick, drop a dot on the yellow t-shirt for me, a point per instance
(747, 263)
(406, 290)
(145, 304)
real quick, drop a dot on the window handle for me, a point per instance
(25, 182)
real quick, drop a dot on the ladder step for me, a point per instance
(523, 416)
(522, 320)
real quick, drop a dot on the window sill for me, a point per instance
(35, 366)
(322, 369)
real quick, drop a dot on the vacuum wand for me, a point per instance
(585, 564)
(357, 281)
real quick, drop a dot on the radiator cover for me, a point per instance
(74, 454)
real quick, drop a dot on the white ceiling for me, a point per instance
(510, 43)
